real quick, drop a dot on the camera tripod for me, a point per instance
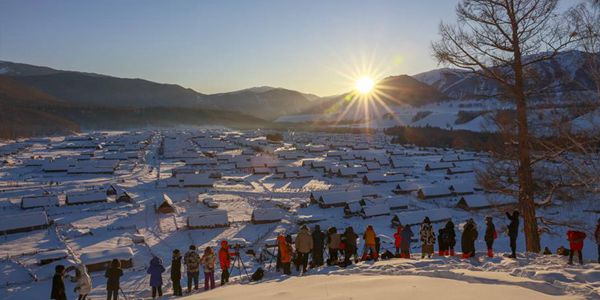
(239, 264)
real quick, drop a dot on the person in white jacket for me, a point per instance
(83, 282)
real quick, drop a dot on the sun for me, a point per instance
(364, 85)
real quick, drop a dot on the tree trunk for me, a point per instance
(526, 203)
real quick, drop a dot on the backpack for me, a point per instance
(258, 274)
(387, 255)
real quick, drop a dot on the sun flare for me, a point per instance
(364, 85)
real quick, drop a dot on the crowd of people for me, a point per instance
(309, 249)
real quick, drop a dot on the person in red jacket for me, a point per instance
(398, 239)
(224, 261)
(576, 239)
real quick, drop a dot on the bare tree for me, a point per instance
(502, 40)
(586, 19)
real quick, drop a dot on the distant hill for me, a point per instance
(28, 111)
(25, 112)
(89, 89)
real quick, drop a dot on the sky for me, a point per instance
(314, 46)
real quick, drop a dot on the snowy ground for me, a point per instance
(105, 226)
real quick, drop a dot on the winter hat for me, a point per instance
(176, 252)
(304, 227)
(224, 244)
(59, 268)
(317, 227)
(427, 220)
(192, 247)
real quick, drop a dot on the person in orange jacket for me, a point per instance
(285, 254)
(370, 249)
(398, 239)
(225, 261)
(576, 239)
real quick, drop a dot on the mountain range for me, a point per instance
(38, 97)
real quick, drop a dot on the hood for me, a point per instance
(155, 261)
(224, 244)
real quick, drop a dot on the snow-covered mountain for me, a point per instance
(567, 74)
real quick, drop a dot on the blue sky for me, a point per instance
(224, 45)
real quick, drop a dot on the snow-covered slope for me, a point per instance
(375, 286)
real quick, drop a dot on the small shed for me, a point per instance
(39, 201)
(23, 222)
(100, 260)
(166, 206)
(210, 202)
(210, 219)
(266, 215)
(85, 197)
(352, 209)
(120, 194)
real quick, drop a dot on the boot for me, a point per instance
(451, 252)
(466, 255)
(490, 253)
(441, 253)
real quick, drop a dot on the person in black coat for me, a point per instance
(349, 239)
(450, 237)
(468, 239)
(176, 273)
(58, 284)
(490, 236)
(318, 238)
(113, 275)
(513, 232)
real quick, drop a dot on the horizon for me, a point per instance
(312, 53)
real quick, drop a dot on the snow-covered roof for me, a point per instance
(213, 218)
(417, 216)
(433, 191)
(86, 197)
(339, 197)
(90, 258)
(39, 201)
(267, 214)
(439, 166)
(397, 202)
(484, 201)
(17, 221)
(52, 255)
(377, 209)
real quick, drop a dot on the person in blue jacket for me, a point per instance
(155, 270)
